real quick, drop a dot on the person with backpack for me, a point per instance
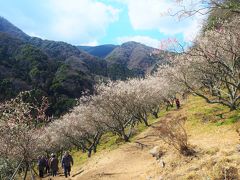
(41, 166)
(53, 164)
(67, 161)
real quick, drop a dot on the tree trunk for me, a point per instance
(95, 148)
(32, 173)
(61, 153)
(146, 123)
(167, 107)
(233, 107)
(125, 137)
(26, 171)
(89, 153)
(83, 150)
(155, 114)
(145, 119)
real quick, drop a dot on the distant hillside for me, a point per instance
(100, 51)
(62, 71)
(26, 67)
(130, 59)
(136, 57)
(7, 27)
(62, 51)
(54, 69)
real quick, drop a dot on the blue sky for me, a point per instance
(95, 22)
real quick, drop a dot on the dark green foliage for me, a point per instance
(7, 168)
(70, 82)
(97, 66)
(100, 51)
(6, 89)
(62, 104)
(232, 5)
(24, 67)
(61, 51)
(57, 50)
(120, 71)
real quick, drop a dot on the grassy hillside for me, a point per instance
(212, 134)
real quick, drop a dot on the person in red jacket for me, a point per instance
(177, 103)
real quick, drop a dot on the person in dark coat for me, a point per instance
(47, 164)
(67, 161)
(41, 166)
(53, 163)
(177, 103)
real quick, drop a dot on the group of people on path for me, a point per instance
(50, 165)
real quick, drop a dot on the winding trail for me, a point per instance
(129, 161)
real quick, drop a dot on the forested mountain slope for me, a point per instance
(100, 51)
(62, 71)
(139, 59)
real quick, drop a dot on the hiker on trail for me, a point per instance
(41, 165)
(67, 160)
(53, 163)
(177, 103)
(47, 170)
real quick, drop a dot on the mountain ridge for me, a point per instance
(100, 51)
(63, 71)
(8, 27)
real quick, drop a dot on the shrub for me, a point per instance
(172, 131)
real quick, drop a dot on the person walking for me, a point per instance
(41, 165)
(53, 164)
(47, 169)
(177, 103)
(67, 161)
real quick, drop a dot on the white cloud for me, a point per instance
(141, 39)
(81, 21)
(145, 15)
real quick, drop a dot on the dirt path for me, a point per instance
(129, 161)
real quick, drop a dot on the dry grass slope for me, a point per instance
(212, 133)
